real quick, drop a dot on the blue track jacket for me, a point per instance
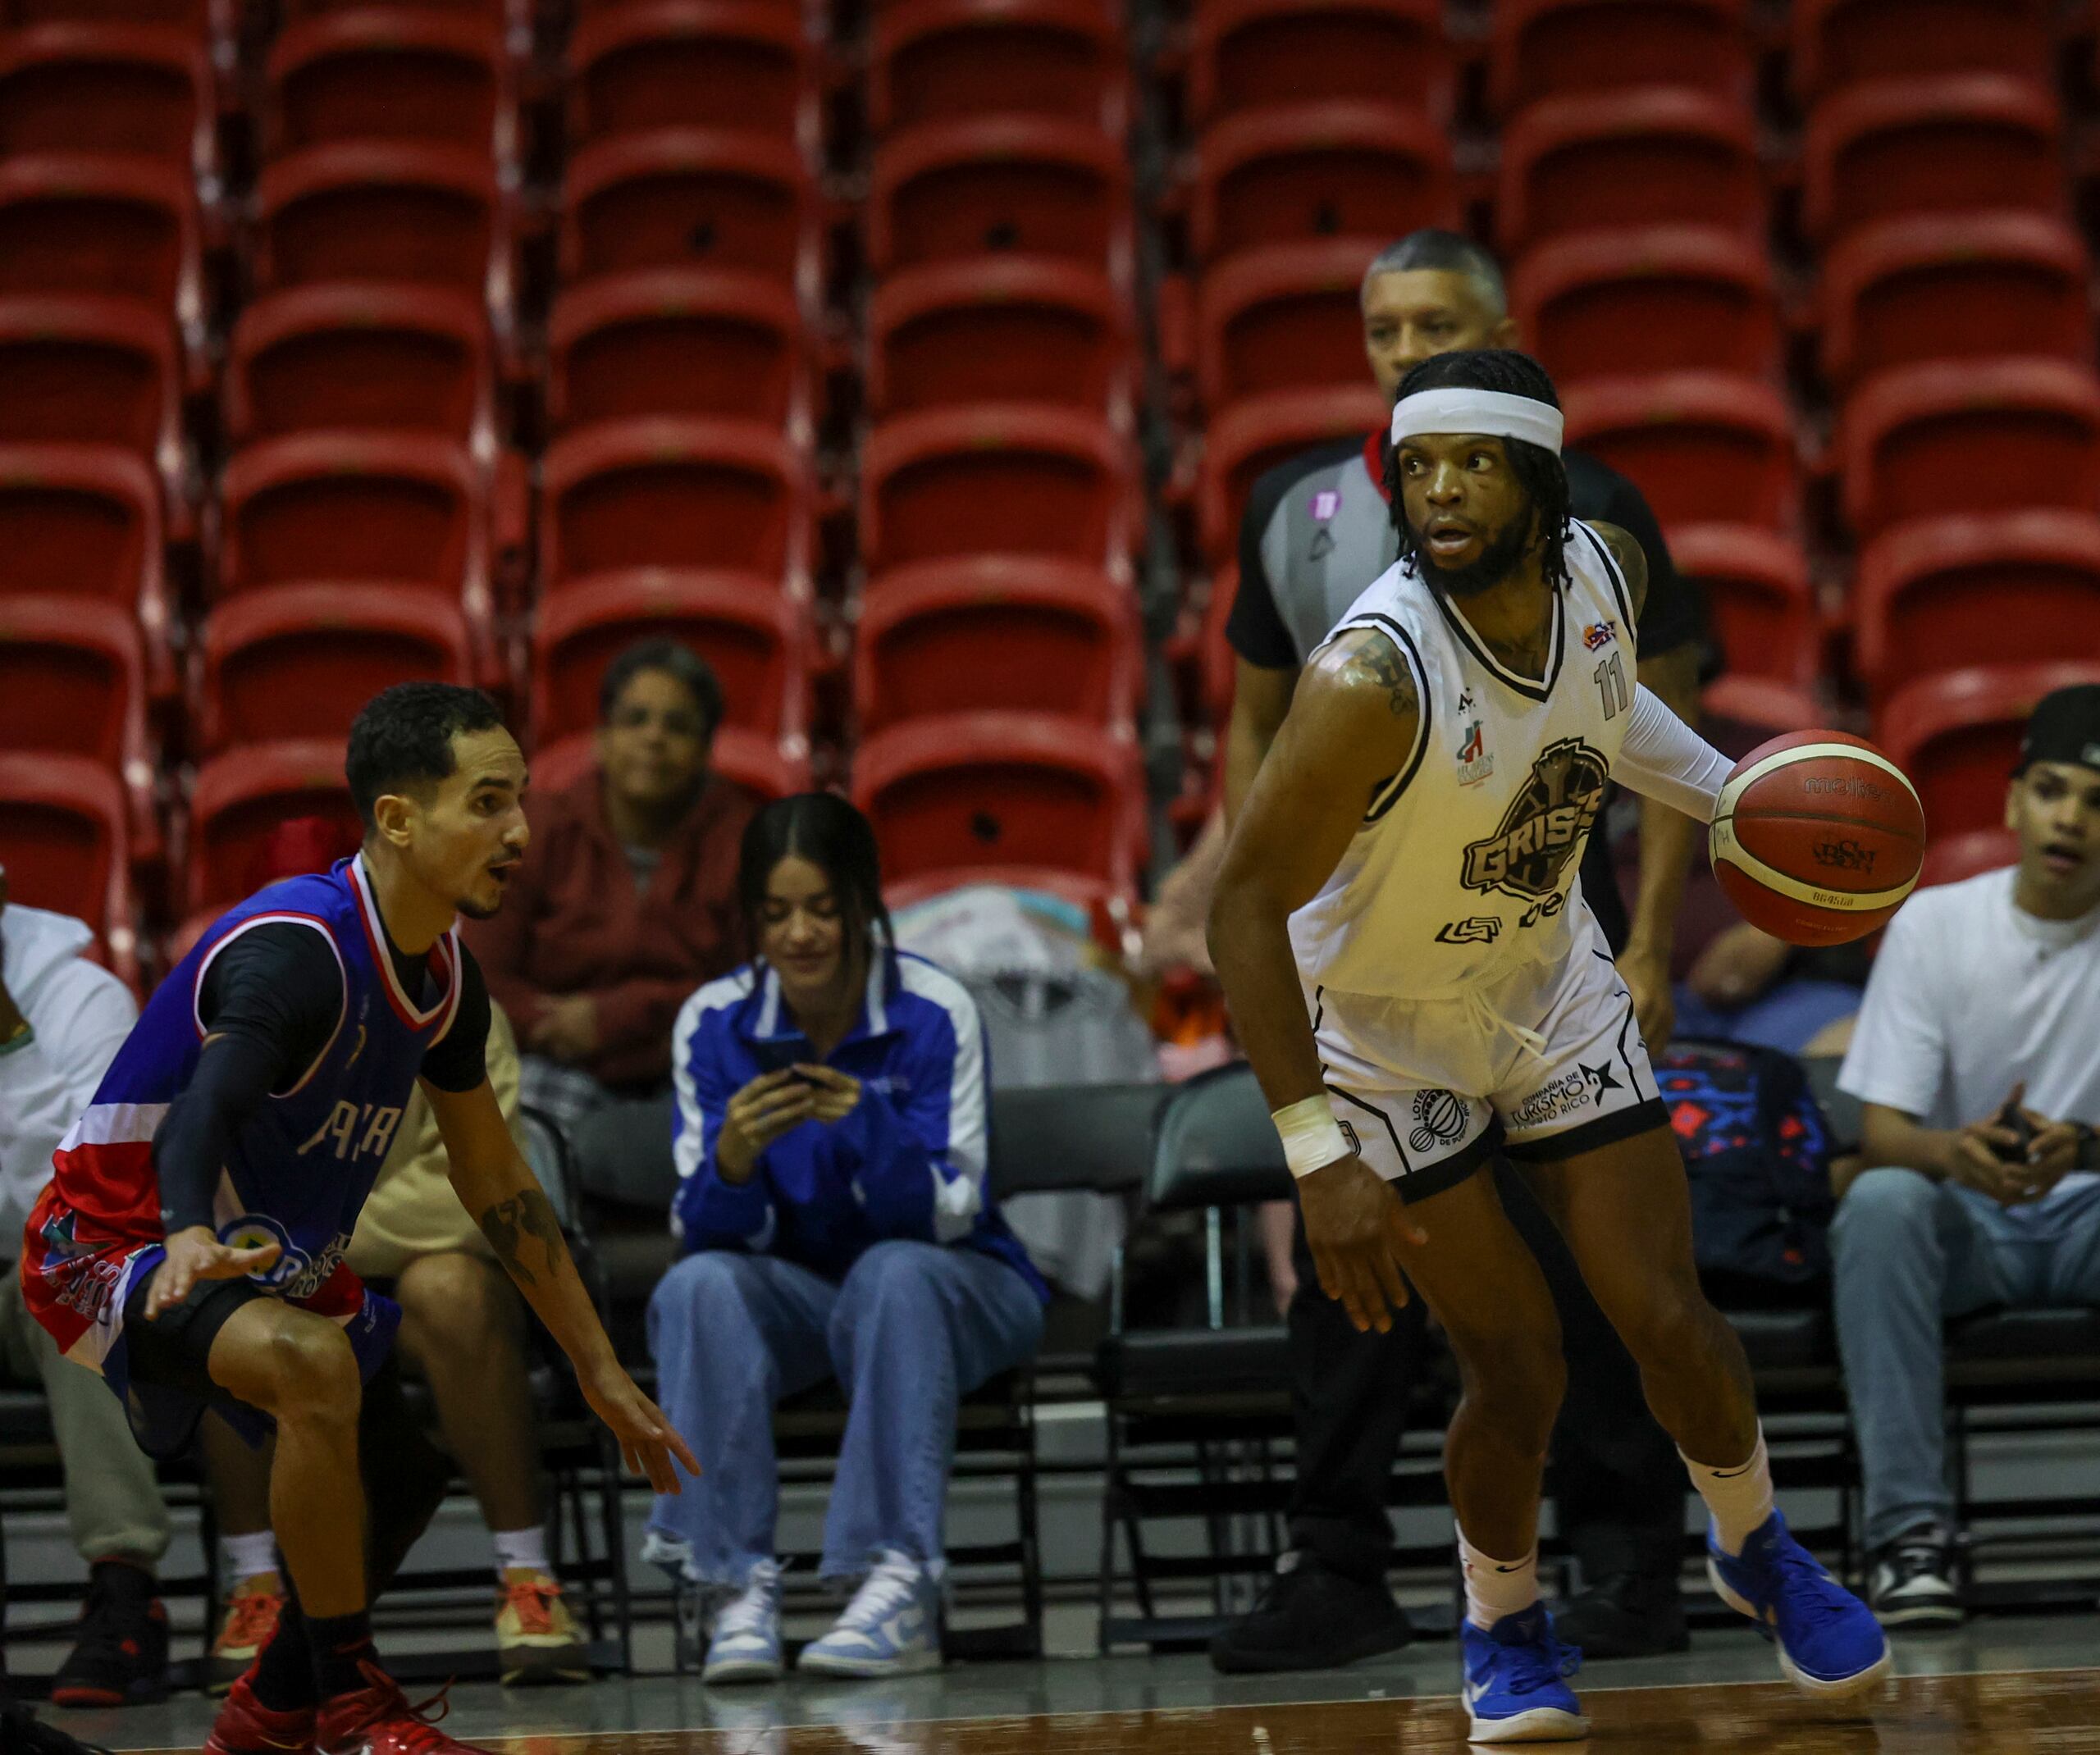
(910, 1160)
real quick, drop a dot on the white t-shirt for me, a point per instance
(1969, 996)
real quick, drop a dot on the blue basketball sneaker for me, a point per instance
(1515, 1689)
(1830, 1645)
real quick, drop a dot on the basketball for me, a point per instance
(1817, 837)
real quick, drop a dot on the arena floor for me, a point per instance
(2011, 1686)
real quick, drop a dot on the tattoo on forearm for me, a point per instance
(1376, 661)
(509, 1223)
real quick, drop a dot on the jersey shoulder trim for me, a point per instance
(1613, 572)
(1377, 622)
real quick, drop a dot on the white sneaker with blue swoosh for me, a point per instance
(892, 1627)
(1516, 1688)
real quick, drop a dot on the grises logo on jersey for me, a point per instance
(1541, 832)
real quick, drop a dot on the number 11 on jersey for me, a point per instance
(1611, 685)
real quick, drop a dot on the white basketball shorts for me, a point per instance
(1542, 1064)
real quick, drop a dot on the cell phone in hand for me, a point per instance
(2015, 1122)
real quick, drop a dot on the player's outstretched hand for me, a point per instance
(648, 1444)
(195, 1254)
(1356, 1228)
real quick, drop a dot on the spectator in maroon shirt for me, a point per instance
(627, 901)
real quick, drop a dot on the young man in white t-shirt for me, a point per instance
(1984, 1006)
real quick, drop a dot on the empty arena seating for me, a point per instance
(1759, 605)
(239, 798)
(1285, 317)
(1947, 287)
(1703, 447)
(85, 522)
(1838, 42)
(1550, 48)
(90, 86)
(1957, 737)
(408, 73)
(938, 60)
(1251, 55)
(111, 226)
(678, 341)
(65, 845)
(1256, 435)
(82, 370)
(73, 683)
(743, 65)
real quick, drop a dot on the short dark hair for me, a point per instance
(404, 738)
(676, 660)
(827, 831)
(1447, 252)
(1540, 471)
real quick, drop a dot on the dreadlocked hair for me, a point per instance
(1537, 471)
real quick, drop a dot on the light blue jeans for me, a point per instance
(1908, 1255)
(913, 1328)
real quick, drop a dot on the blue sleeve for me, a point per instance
(923, 1153)
(709, 1213)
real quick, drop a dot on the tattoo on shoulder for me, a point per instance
(509, 1223)
(1632, 561)
(1375, 662)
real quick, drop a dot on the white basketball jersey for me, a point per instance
(1465, 864)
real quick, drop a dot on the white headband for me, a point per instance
(1495, 412)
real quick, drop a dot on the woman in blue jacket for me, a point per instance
(830, 1141)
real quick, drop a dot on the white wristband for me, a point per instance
(1312, 1139)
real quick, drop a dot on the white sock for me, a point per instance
(521, 1547)
(244, 1558)
(1740, 1499)
(1496, 1588)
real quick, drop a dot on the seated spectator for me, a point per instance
(61, 1021)
(1747, 987)
(626, 902)
(462, 1332)
(830, 1136)
(1974, 1060)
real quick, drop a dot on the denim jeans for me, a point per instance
(1909, 1255)
(913, 1328)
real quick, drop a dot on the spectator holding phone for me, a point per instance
(830, 1137)
(1977, 1057)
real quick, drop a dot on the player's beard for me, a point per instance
(1499, 557)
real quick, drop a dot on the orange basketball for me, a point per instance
(1817, 837)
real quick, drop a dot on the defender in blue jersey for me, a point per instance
(191, 1244)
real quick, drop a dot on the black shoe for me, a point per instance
(119, 1658)
(1911, 1581)
(1628, 1615)
(1310, 1618)
(22, 1733)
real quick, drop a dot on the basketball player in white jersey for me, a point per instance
(1418, 984)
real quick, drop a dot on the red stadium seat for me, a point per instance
(939, 59)
(676, 493)
(1013, 185)
(996, 634)
(83, 522)
(999, 797)
(742, 65)
(65, 846)
(997, 478)
(364, 509)
(1705, 448)
(73, 683)
(385, 209)
(1246, 55)
(119, 228)
(1615, 159)
(240, 799)
(999, 330)
(85, 371)
(1937, 595)
(144, 90)
(1670, 298)
(757, 637)
(377, 357)
(1838, 42)
(1285, 317)
(198, 18)
(1950, 858)
(1957, 737)
(678, 341)
(1255, 436)
(761, 767)
(1292, 174)
(1953, 286)
(689, 198)
(299, 661)
(420, 75)
(1953, 143)
(1737, 713)
(1969, 436)
(1555, 49)
(1758, 600)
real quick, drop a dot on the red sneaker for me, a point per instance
(245, 1727)
(377, 1720)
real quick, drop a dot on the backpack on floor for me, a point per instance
(1757, 1149)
